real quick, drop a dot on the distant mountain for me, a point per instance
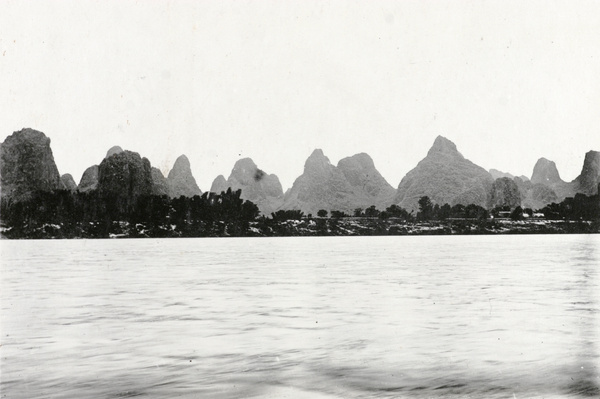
(219, 185)
(445, 176)
(555, 189)
(354, 183)
(27, 165)
(257, 186)
(125, 175)
(545, 172)
(67, 182)
(180, 179)
(361, 173)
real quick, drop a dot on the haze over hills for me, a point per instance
(444, 175)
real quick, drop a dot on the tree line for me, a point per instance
(97, 214)
(64, 213)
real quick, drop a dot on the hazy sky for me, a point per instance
(508, 82)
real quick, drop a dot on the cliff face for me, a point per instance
(159, 183)
(257, 186)
(180, 179)
(354, 183)
(27, 165)
(445, 176)
(589, 178)
(125, 175)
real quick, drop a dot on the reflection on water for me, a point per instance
(387, 317)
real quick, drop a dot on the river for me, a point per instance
(302, 317)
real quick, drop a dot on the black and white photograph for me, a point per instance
(299, 199)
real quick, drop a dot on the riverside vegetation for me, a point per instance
(67, 214)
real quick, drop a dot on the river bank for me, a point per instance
(305, 227)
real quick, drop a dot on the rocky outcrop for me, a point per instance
(445, 176)
(505, 192)
(125, 175)
(589, 178)
(180, 179)
(261, 188)
(89, 179)
(159, 182)
(67, 182)
(27, 165)
(355, 183)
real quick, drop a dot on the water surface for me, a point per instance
(351, 317)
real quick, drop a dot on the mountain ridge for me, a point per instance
(444, 175)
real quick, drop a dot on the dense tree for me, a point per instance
(425, 208)
(62, 213)
(283, 215)
(371, 212)
(395, 211)
(517, 213)
(445, 212)
(473, 211)
(338, 214)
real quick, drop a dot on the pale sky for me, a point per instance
(507, 81)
